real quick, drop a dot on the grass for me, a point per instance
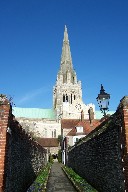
(80, 183)
(41, 180)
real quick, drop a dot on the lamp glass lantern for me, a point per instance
(103, 100)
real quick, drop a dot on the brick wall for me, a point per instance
(101, 157)
(4, 114)
(124, 108)
(21, 157)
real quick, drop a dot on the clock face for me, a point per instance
(78, 106)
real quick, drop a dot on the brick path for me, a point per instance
(58, 181)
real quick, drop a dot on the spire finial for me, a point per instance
(65, 28)
(65, 34)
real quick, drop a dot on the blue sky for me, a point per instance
(31, 35)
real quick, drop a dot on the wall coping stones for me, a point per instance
(123, 102)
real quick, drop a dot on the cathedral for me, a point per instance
(67, 92)
(67, 101)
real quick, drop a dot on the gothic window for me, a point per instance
(71, 98)
(66, 98)
(74, 97)
(54, 133)
(73, 80)
(63, 98)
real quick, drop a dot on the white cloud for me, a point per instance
(33, 94)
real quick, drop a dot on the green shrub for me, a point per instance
(41, 180)
(79, 182)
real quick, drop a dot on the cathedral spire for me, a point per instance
(65, 34)
(66, 59)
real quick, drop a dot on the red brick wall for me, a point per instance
(124, 107)
(4, 115)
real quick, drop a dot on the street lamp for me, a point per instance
(103, 100)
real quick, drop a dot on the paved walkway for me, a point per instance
(58, 181)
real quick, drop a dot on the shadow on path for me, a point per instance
(58, 181)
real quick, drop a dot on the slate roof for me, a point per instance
(48, 142)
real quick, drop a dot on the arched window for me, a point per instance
(73, 80)
(66, 98)
(63, 98)
(54, 133)
(71, 98)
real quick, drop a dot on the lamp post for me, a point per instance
(103, 100)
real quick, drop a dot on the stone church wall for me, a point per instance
(102, 156)
(21, 157)
(41, 128)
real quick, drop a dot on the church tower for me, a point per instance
(67, 93)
